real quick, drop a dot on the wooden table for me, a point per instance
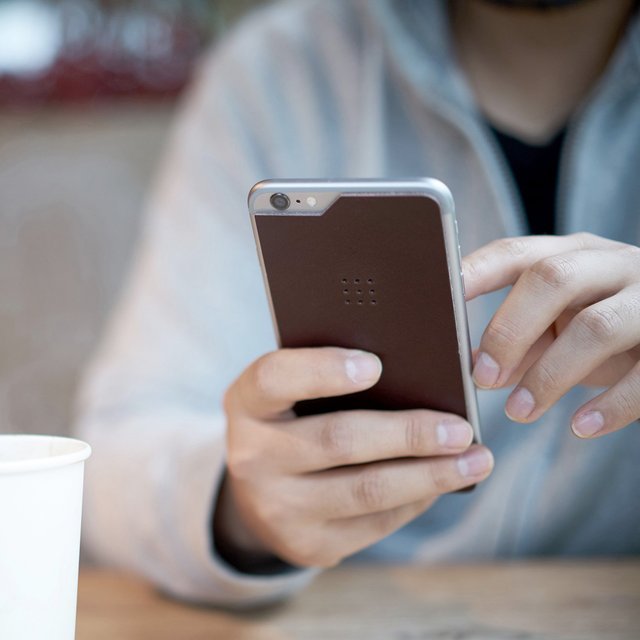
(534, 601)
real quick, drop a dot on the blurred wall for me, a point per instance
(72, 186)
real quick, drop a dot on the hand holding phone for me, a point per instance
(315, 489)
(331, 448)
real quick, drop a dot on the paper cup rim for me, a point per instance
(72, 451)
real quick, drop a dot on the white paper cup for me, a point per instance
(40, 512)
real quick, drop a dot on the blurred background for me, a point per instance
(88, 89)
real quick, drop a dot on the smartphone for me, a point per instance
(372, 265)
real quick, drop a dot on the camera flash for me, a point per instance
(311, 201)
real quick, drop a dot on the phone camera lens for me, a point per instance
(280, 201)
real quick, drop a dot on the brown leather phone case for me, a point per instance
(369, 273)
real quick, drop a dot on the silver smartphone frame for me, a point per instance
(326, 192)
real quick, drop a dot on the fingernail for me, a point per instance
(454, 434)
(487, 371)
(520, 404)
(362, 367)
(475, 462)
(587, 424)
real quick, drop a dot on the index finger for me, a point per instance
(501, 262)
(273, 383)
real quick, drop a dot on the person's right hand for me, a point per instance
(315, 489)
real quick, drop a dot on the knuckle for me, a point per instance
(515, 247)
(270, 513)
(502, 333)
(547, 378)
(417, 439)
(631, 252)
(585, 239)
(241, 463)
(313, 379)
(291, 509)
(481, 260)
(278, 514)
(439, 477)
(337, 437)
(473, 268)
(555, 271)
(264, 375)
(628, 404)
(629, 306)
(324, 367)
(370, 490)
(600, 323)
(232, 404)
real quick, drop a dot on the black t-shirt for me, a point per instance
(535, 169)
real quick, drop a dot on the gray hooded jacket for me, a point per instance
(333, 88)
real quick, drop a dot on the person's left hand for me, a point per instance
(572, 317)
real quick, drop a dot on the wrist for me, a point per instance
(236, 544)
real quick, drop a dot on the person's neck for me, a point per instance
(530, 68)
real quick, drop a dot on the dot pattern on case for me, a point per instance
(358, 291)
